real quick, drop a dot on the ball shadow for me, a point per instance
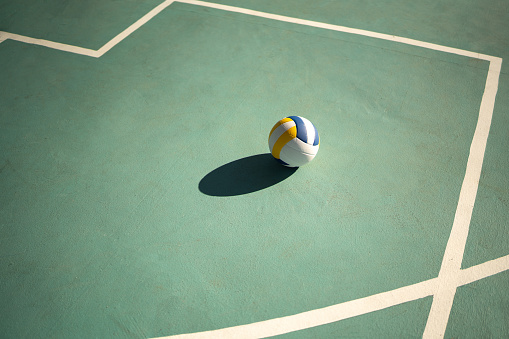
(245, 175)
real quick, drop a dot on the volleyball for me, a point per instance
(294, 141)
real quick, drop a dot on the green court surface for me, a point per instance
(138, 198)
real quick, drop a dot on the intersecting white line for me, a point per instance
(443, 288)
(349, 309)
(453, 256)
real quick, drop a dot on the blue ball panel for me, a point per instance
(302, 132)
(317, 138)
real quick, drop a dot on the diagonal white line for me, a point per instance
(338, 28)
(49, 44)
(143, 20)
(322, 316)
(351, 308)
(85, 51)
(478, 272)
(453, 256)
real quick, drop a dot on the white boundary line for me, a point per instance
(50, 44)
(113, 42)
(443, 288)
(349, 309)
(143, 20)
(453, 256)
(342, 29)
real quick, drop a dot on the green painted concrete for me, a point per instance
(480, 309)
(106, 231)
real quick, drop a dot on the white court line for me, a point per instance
(85, 51)
(450, 275)
(342, 29)
(143, 20)
(478, 272)
(50, 44)
(453, 256)
(321, 316)
(349, 309)
(113, 42)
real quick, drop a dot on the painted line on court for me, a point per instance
(450, 276)
(50, 44)
(143, 20)
(85, 51)
(454, 251)
(351, 308)
(321, 316)
(344, 29)
(478, 272)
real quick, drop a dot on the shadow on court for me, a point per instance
(245, 175)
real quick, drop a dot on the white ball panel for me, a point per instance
(295, 157)
(302, 146)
